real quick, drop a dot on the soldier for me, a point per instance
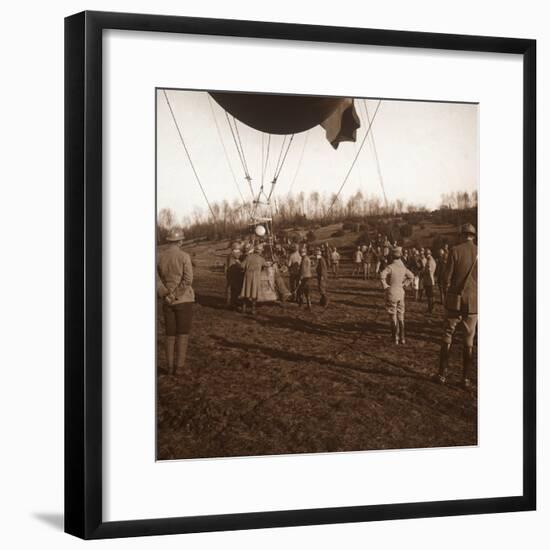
(305, 279)
(234, 276)
(335, 259)
(378, 254)
(460, 283)
(428, 279)
(322, 277)
(439, 272)
(395, 277)
(293, 265)
(367, 261)
(174, 279)
(357, 261)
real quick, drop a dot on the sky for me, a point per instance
(424, 149)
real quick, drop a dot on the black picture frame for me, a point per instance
(83, 274)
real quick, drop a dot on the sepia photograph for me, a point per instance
(316, 274)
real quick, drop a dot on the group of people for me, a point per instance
(457, 279)
(454, 271)
(243, 271)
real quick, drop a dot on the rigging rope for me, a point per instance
(225, 150)
(376, 154)
(280, 154)
(280, 167)
(189, 156)
(277, 174)
(241, 145)
(266, 161)
(267, 154)
(241, 154)
(355, 159)
(299, 163)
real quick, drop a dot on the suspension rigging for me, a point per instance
(225, 151)
(189, 156)
(373, 143)
(299, 163)
(240, 152)
(355, 158)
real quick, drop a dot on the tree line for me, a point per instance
(226, 220)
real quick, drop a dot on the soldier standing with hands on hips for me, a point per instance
(395, 276)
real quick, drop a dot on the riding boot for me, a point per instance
(169, 342)
(394, 336)
(443, 362)
(253, 307)
(467, 364)
(430, 305)
(402, 332)
(182, 342)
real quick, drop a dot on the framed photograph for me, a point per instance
(300, 275)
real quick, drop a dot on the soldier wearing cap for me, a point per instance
(304, 285)
(322, 277)
(460, 284)
(428, 279)
(234, 275)
(335, 261)
(294, 261)
(395, 276)
(174, 279)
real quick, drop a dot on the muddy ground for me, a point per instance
(293, 381)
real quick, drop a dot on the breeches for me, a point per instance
(395, 308)
(178, 318)
(322, 285)
(293, 282)
(304, 288)
(452, 320)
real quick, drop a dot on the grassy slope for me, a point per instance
(293, 381)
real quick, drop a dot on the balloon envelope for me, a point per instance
(291, 114)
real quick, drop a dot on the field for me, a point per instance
(295, 381)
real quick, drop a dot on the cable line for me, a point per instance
(355, 159)
(189, 156)
(280, 165)
(265, 158)
(240, 153)
(225, 150)
(240, 144)
(280, 154)
(299, 163)
(376, 153)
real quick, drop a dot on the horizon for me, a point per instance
(425, 150)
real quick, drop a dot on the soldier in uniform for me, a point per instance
(395, 277)
(460, 283)
(357, 261)
(428, 279)
(294, 261)
(304, 285)
(234, 276)
(335, 260)
(174, 279)
(322, 277)
(439, 272)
